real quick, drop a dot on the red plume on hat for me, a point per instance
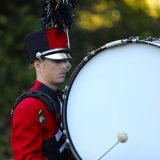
(52, 41)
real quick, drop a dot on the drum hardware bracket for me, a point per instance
(134, 39)
(85, 58)
(138, 38)
(65, 133)
(89, 54)
(67, 140)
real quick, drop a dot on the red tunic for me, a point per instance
(32, 138)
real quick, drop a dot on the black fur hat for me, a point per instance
(53, 40)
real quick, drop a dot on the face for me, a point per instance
(52, 72)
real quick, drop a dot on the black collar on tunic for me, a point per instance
(45, 89)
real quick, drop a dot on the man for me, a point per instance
(36, 130)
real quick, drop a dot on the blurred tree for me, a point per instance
(97, 22)
(16, 20)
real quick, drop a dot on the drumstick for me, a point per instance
(122, 138)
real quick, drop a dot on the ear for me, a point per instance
(37, 65)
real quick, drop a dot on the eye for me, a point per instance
(60, 61)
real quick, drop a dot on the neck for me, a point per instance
(52, 86)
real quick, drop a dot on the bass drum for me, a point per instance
(115, 89)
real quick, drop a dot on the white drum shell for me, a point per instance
(118, 89)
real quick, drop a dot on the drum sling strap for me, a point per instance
(46, 99)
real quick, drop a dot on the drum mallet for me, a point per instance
(122, 138)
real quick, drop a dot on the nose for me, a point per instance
(67, 65)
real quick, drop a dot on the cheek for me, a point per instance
(51, 72)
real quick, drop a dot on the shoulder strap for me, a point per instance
(46, 99)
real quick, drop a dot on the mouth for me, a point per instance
(63, 74)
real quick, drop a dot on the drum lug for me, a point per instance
(67, 141)
(65, 133)
(85, 58)
(134, 39)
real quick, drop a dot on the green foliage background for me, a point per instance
(97, 22)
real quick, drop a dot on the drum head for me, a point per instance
(117, 89)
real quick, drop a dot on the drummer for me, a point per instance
(36, 127)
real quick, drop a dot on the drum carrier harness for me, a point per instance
(46, 99)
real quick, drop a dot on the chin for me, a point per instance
(61, 81)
